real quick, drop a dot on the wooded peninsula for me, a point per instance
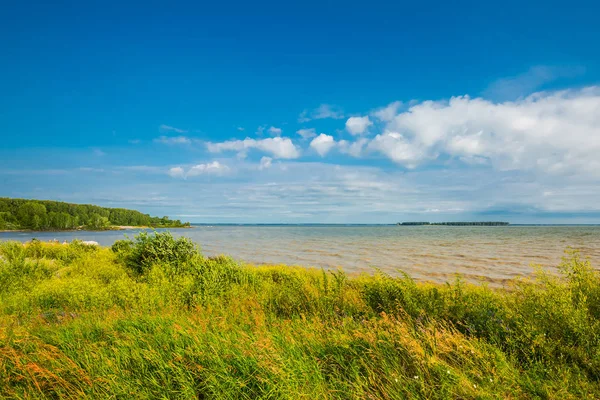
(47, 215)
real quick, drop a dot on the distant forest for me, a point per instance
(486, 223)
(56, 215)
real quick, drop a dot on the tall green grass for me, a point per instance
(153, 318)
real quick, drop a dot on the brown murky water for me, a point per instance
(435, 253)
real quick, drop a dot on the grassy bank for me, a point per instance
(155, 319)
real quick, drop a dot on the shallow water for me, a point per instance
(434, 253)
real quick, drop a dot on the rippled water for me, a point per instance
(425, 252)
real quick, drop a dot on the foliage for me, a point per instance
(31, 214)
(149, 249)
(55, 215)
(153, 318)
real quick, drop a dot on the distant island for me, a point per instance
(486, 223)
(47, 215)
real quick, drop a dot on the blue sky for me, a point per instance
(308, 112)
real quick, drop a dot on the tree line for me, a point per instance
(57, 215)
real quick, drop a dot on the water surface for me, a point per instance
(425, 252)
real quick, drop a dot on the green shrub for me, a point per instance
(12, 252)
(122, 246)
(159, 247)
(67, 253)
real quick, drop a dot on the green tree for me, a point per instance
(37, 222)
(32, 215)
(21, 213)
(97, 221)
(7, 220)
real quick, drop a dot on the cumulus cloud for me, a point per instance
(173, 140)
(307, 133)
(167, 128)
(552, 132)
(275, 131)
(355, 149)
(388, 112)
(397, 148)
(279, 147)
(358, 125)
(322, 144)
(322, 112)
(265, 163)
(212, 168)
(176, 172)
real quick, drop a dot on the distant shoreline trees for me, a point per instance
(56, 215)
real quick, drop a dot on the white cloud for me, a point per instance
(397, 148)
(265, 163)
(303, 117)
(275, 131)
(167, 128)
(239, 128)
(307, 133)
(358, 125)
(388, 112)
(322, 144)
(99, 152)
(355, 149)
(213, 168)
(279, 147)
(322, 112)
(176, 172)
(173, 140)
(549, 132)
(328, 111)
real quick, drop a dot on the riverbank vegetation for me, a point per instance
(43, 215)
(154, 318)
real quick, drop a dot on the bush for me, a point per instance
(65, 253)
(159, 247)
(122, 246)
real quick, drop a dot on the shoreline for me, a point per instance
(112, 228)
